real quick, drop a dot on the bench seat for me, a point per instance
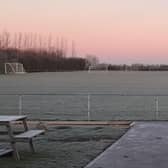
(28, 135)
(4, 151)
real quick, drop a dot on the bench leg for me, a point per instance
(31, 146)
(12, 142)
(15, 152)
(25, 124)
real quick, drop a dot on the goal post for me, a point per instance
(99, 67)
(14, 68)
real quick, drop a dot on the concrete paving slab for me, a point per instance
(145, 145)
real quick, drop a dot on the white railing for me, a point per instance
(86, 106)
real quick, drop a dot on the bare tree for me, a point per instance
(6, 39)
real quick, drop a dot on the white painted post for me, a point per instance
(22, 68)
(20, 104)
(17, 68)
(89, 69)
(157, 107)
(5, 69)
(88, 107)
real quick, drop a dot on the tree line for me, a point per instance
(138, 67)
(37, 53)
(47, 54)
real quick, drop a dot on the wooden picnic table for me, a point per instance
(26, 136)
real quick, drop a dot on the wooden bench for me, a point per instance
(28, 137)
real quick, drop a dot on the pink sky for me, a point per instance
(119, 31)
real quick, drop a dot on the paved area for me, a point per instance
(145, 145)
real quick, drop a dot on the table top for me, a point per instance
(9, 118)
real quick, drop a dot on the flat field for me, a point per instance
(102, 87)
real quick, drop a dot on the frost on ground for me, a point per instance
(65, 147)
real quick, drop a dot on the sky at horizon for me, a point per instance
(119, 31)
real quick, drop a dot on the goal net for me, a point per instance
(14, 68)
(100, 67)
(91, 67)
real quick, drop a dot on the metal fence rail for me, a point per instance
(86, 106)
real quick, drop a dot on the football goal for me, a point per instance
(100, 67)
(14, 68)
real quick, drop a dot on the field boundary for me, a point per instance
(79, 123)
(84, 94)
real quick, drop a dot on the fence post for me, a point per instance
(157, 107)
(20, 104)
(88, 115)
